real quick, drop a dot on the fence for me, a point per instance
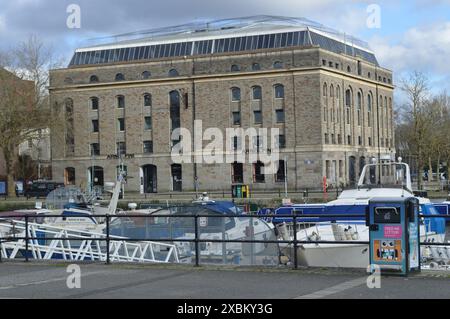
(195, 238)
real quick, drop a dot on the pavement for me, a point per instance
(99, 281)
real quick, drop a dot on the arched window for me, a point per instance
(68, 103)
(173, 72)
(255, 67)
(349, 69)
(338, 103)
(93, 79)
(348, 104)
(325, 102)
(94, 103)
(359, 107)
(120, 77)
(69, 176)
(369, 109)
(235, 94)
(257, 93)
(333, 110)
(348, 98)
(174, 100)
(235, 68)
(279, 91)
(146, 75)
(278, 65)
(147, 99)
(120, 101)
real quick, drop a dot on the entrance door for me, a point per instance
(177, 182)
(96, 176)
(150, 179)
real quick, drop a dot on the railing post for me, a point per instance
(197, 250)
(295, 241)
(26, 238)
(108, 261)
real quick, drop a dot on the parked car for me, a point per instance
(41, 188)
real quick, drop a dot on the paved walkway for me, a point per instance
(37, 280)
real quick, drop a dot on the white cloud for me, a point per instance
(426, 49)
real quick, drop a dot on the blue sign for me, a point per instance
(2, 188)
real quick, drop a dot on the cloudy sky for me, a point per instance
(413, 34)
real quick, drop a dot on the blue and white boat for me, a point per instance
(382, 180)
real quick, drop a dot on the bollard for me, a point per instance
(26, 238)
(108, 261)
(295, 241)
(197, 250)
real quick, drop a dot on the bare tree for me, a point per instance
(24, 107)
(414, 112)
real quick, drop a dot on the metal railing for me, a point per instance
(197, 240)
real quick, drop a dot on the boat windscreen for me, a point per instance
(62, 196)
(388, 175)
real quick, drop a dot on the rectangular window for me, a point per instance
(148, 147)
(121, 148)
(236, 118)
(257, 143)
(349, 139)
(326, 138)
(281, 141)
(237, 173)
(280, 176)
(258, 175)
(257, 115)
(359, 140)
(94, 104)
(236, 143)
(95, 126)
(120, 102)
(280, 116)
(370, 141)
(121, 124)
(95, 149)
(148, 123)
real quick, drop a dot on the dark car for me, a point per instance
(41, 189)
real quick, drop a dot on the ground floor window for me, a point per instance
(237, 172)
(258, 172)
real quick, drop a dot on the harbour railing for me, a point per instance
(200, 238)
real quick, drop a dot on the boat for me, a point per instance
(65, 207)
(210, 226)
(386, 180)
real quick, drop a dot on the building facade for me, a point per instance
(120, 102)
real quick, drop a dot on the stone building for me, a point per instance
(323, 90)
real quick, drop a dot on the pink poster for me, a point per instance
(392, 231)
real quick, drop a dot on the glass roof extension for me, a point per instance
(220, 36)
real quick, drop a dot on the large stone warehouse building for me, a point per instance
(324, 90)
